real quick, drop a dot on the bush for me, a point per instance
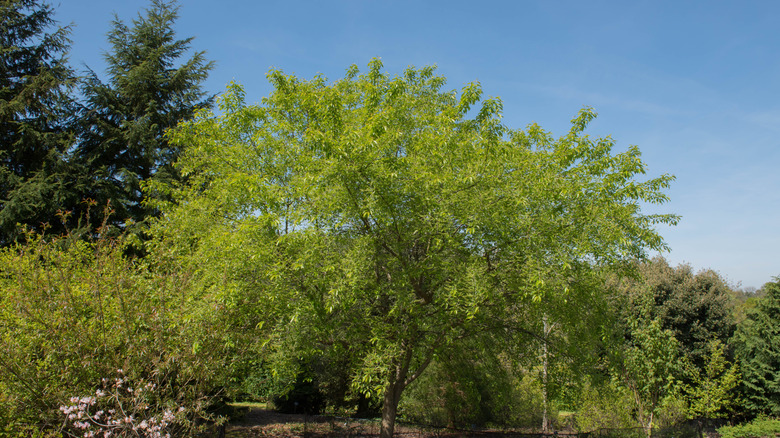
(473, 390)
(121, 408)
(303, 398)
(760, 428)
(74, 312)
(604, 407)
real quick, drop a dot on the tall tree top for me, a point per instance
(149, 88)
(35, 108)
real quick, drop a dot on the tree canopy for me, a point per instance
(696, 306)
(150, 88)
(35, 109)
(388, 217)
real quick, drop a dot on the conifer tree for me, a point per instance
(758, 354)
(35, 82)
(149, 89)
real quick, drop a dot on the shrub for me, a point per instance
(759, 428)
(462, 390)
(72, 312)
(604, 407)
(121, 408)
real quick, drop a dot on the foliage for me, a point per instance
(650, 368)
(759, 428)
(72, 312)
(121, 408)
(302, 397)
(376, 213)
(758, 354)
(149, 89)
(713, 392)
(696, 307)
(34, 113)
(474, 386)
(602, 406)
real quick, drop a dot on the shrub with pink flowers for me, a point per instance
(123, 409)
(73, 312)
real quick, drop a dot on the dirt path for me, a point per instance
(266, 423)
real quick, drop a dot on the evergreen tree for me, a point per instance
(124, 119)
(35, 82)
(758, 353)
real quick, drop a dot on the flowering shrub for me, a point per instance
(74, 311)
(121, 409)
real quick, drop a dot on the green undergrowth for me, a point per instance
(760, 428)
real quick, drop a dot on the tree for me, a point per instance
(377, 208)
(758, 355)
(712, 394)
(122, 125)
(35, 82)
(650, 368)
(696, 307)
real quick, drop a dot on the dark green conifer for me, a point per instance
(148, 89)
(35, 106)
(758, 354)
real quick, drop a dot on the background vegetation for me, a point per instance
(373, 246)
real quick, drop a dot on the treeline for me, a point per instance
(374, 246)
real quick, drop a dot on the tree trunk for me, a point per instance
(395, 386)
(545, 421)
(650, 426)
(390, 409)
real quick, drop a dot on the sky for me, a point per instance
(694, 84)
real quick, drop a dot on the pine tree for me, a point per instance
(123, 122)
(758, 354)
(35, 82)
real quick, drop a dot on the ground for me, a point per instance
(261, 422)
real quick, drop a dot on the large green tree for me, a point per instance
(399, 216)
(696, 306)
(35, 82)
(150, 88)
(758, 353)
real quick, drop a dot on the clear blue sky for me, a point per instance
(695, 84)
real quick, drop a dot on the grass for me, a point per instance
(258, 405)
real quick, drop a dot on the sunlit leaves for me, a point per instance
(396, 219)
